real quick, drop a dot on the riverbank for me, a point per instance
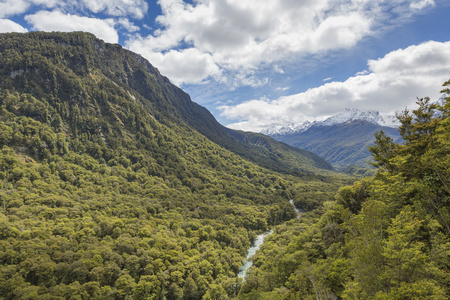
(251, 251)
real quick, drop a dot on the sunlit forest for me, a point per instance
(106, 192)
(114, 185)
(383, 237)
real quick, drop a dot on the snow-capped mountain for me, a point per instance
(291, 128)
(353, 114)
(343, 138)
(348, 115)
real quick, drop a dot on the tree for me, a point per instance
(409, 273)
(215, 292)
(190, 290)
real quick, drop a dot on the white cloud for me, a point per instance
(241, 36)
(278, 69)
(365, 72)
(282, 89)
(339, 32)
(49, 3)
(58, 21)
(10, 26)
(118, 8)
(127, 25)
(16, 7)
(421, 4)
(136, 9)
(179, 65)
(13, 7)
(393, 83)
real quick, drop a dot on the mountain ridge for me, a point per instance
(343, 144)
(138, 78)
(347, 115)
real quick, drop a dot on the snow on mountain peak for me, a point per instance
(291, 128)
(353, 114)
(349, 114)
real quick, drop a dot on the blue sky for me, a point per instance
(262, 64)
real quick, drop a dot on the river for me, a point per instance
(257, 244)
(298, 211)
(255, 247)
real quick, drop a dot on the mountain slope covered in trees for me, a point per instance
(386, 237)
(111, 186)
(66, 65)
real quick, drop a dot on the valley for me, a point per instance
(109, 190)
(115, 185)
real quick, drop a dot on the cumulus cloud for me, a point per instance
(10, 8)
(127, 25)
(10, 26)
(119, 8)
(58, 21)
(13, 7)
(49, 3)
(189, 63)
(241, 36)
(392, 83)
(116, 8)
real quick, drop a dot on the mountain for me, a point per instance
(342, 139)
(257, 148)
(134, 75)
(353, 114)
(291, 128)
(347, 115)
(115, 185)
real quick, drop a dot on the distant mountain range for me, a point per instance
(348, 115)
(342, 139)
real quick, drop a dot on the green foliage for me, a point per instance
(359, 171)
(107, 192)
(103, 84)
(386, 237)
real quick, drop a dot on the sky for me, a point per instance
(267, 64)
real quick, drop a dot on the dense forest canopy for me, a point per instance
(108, 192)
(114, 185)
(100, 80)
(385, 237)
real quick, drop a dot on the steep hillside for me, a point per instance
(107, 192)
(63, 57)
(343, 144)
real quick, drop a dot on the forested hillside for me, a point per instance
(386, 237)
(114, 185)
(108, 190)
(80, 67)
